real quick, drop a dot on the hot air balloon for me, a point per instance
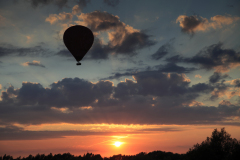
(78, 40)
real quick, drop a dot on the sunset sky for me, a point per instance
(161, 75)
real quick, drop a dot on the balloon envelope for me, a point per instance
(78, 40)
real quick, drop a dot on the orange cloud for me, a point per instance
(198, 76)
(192, 24)
(228, 92)
(33, 63)
(63, 110)
(193, 104)
(103, 21)
(76, 9)
(54, 18)
(225, 102)
(226, 68)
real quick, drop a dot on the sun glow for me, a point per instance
(117, 144)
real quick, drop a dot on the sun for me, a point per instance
(117, 144)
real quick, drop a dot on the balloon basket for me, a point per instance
(78, 63)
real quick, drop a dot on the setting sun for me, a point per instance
(117, 144)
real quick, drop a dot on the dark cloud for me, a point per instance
(132, 42)
(161, 129)
(151, 98)
(220, 90)
(168, 68)
(97, 52)
(136, 110)
(163, 50)
(216, 77)
(36, 3)
(190, 23)
(64, 53)
(161, 84)
(236, 82)
(111, 3)
(201, 88)
(119, 75)
(68, 92)
(9, 50)
(83, 3)
(172, 67)
(10, 132)
(59, 3)
(212, 57)
(17, 133)
(175, 59)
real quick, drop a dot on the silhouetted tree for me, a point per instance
(49, 157)
(220, 146)
(7, 157)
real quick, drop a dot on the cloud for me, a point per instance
(223, 90)
(216, 77)
(163, 50)
(36, 3)
(123, 39)
(33, 63)
(76, 9)
(198, 76)
(212, 57)
(151, 98)
(83, 3)
(172, 67)
(66, 93)
(111, 3)
(192, 24)
(53, 18)
(59, 3)
(97, 52)
(220, 91)
(17, 133)
(10, 50)
(11, 132)
(236, 82)
(168, 68)
(64, 53)
(160, 84)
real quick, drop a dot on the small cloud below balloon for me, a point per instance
(33, 63)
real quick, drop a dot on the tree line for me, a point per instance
(220, 146)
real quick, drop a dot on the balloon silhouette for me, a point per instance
(78, 40)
